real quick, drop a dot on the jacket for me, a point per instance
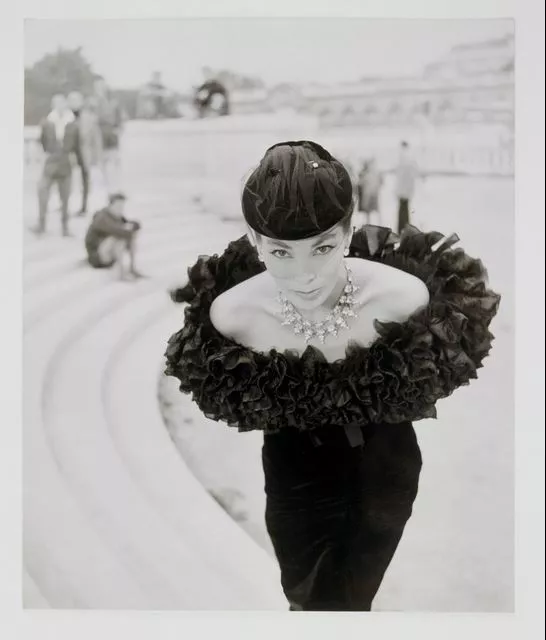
(58, 162)
(106, 224)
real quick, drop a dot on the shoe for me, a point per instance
(37, 231)
(81, 213)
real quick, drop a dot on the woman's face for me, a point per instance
(306, 271)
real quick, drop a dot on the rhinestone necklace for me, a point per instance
(334, 321)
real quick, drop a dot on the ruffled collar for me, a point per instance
(399, 376)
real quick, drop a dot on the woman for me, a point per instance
(331, 342)
(370, 183)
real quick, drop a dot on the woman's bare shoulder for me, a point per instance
(400, 293)
(233, 309)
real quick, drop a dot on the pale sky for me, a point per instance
(328, 50)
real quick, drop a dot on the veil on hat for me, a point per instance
(298, 191)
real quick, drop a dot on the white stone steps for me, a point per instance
(65, 555)
(170, 257)
(91, 467)
(37, 248)
(175, 248)
(60, 568)
(73, 255)
(143, 442)
(82, 453)
(156, 213)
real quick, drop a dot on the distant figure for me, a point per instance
(159, 95)
(154, 99)
(370, 181)
(406, 174)
(211, 98)
(111, 237)
(59, 138)
(89, 148)
(110, 119)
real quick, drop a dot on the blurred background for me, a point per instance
(132, 498)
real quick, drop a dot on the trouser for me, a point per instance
(336, 511)
(64, 183)
(85, 173)
(111, 251)
(111, 168)
(403, 213)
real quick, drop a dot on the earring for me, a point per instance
(346, 252)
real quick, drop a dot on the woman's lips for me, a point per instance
(308, 294)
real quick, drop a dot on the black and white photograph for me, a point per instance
(268, 303)
(268, 321)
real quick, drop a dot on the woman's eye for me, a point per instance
(279, 253)
(324, 249)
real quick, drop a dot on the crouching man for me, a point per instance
(111, 239)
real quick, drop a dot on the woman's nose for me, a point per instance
(303, 275)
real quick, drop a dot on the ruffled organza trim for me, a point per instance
(399, 377)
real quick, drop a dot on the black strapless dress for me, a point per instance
(335, 512)
(340, 456)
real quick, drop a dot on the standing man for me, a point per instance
(89, 148)
(406, 174)
(59, 139)
(158, 93)
(110, 119)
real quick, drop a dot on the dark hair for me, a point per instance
(297, 191)
(113, 197)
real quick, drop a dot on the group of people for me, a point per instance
(369, 181)
(85, 132)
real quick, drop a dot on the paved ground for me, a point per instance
(92, 356)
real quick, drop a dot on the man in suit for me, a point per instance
(59, 139)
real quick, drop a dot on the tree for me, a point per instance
(60, 72)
